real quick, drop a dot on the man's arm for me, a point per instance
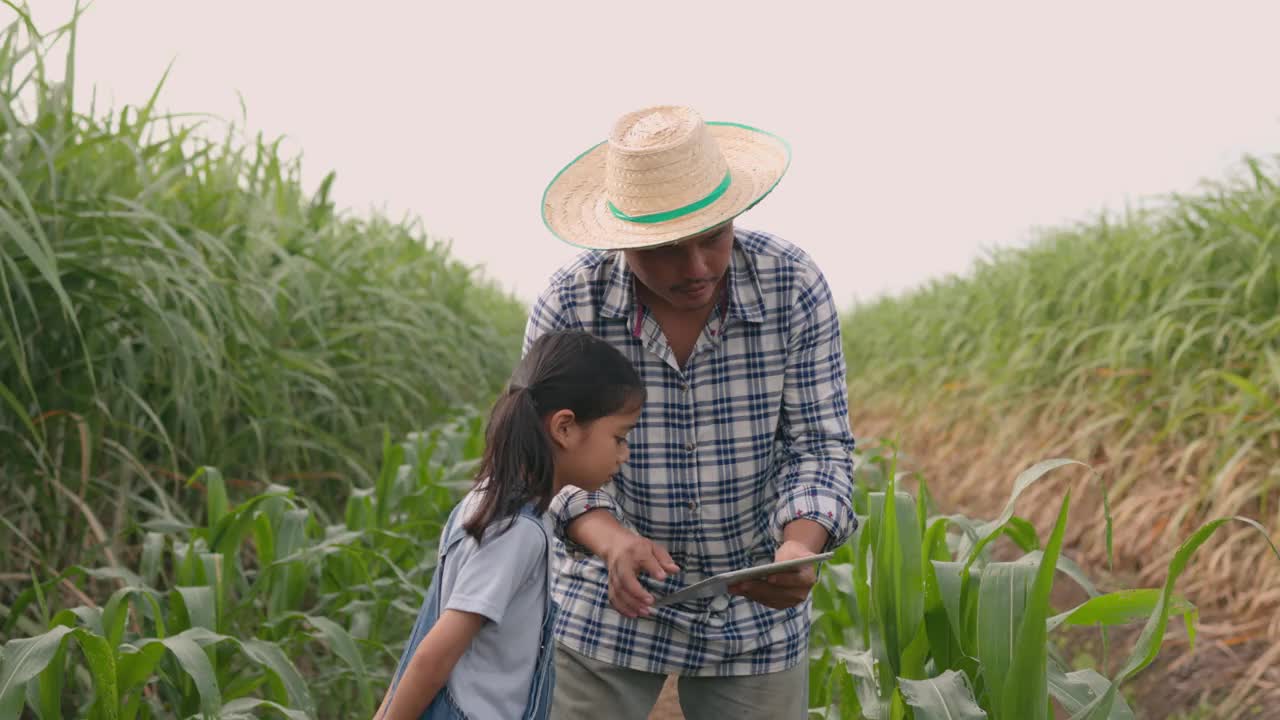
(814, 511)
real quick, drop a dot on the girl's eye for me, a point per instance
(621, 440)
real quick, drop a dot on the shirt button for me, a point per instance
(685, 387)
(692, 505)
(691, 446)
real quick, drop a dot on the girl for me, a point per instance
(482, 644)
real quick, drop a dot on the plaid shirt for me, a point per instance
(751, 434)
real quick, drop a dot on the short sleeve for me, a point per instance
(490, 574)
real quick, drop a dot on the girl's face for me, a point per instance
(590, 454)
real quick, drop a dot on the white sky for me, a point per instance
(922, 132)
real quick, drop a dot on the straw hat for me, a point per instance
(663, 175)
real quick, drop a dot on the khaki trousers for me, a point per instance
(587, 689)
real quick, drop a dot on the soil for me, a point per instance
(668, 706)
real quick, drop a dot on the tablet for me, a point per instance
(719, 584)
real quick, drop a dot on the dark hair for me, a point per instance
(566, 369)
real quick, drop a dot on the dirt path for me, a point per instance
(668, 707)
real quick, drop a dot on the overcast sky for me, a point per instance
(922, 132)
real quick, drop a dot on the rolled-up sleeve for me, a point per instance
(815, 480)
(570, 504)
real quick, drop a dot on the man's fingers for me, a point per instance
(631, 589)
(628, 609)
(652, 565)
(631, 604)
(664, 558)
(798, 579)
(773, 596)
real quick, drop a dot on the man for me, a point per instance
(742, 454)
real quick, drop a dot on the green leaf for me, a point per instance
(861, 578)
(342, 644)
(271, 657)
(249, 709)
(115, 613)
(26, 658)
(1002, 600)
(195, 663)
(989, 530)
(23, 660)
(861, 667)
(1022, 533)
(1118, 608)
(1248, 388)
(102, 667)
(1027, 692)
(135, 665)
(1075, 690)
(197, 606)
(263, 653)
(944, 640)
(897, 580)
(392, 459)
(152, 557)
(945, 697)
(950, 587)
(217, 503)
(1152, 636)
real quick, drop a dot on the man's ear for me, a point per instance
(560, 426)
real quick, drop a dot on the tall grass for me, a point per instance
(1166, 320)
(171, 296)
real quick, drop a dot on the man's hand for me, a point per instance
(627, 555)
(785, 589)
(801, 538)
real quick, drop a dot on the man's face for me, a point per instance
(685, 275)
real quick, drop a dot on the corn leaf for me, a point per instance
(1026, 691)
(251, 709)
(1152, 637)
(946, 697)
(1075, 690)
(24, 659)
(1002, 601)
(1121, 607)
(897, 582)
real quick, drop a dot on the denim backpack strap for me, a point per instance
(544, 671)
(429, 613)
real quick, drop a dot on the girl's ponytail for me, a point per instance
(518, 461)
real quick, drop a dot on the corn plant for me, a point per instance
(916, 620)
(257, 583)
